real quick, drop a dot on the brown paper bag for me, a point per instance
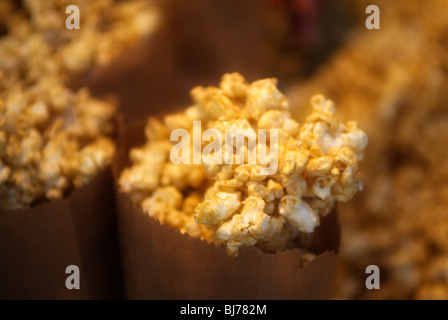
(161, 263)
(37, 245)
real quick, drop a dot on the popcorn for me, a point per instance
(38, 41)
(404, 222)
(53, 138)
(49, 150)
(299, 213)
(217, 207)
(319, 166)
(274, 191)
(162, 202)
(263, 95)
(294, 161)
(92, 158)
(243, 203)
(234, 85)
(246, 227)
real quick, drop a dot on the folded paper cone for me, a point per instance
(161, 263)
(37, 245)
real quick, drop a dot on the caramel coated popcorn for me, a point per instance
(107, 27)
(51, 140)
(400, 221)
(54, 138)
(268, 204)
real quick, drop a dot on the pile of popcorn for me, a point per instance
(54, 138)
(107, 27)
(243, 204)
(51, 140)
(400, 100)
